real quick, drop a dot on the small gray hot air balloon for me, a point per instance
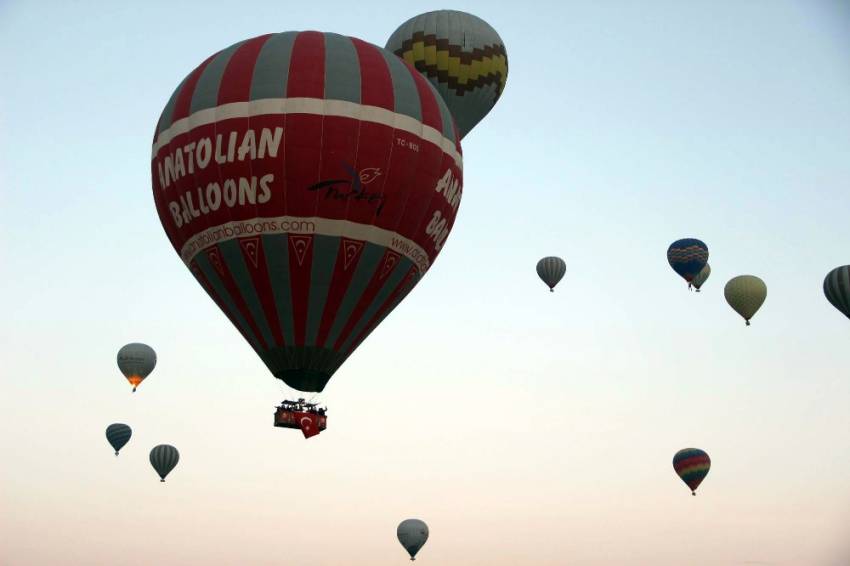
(163, 459)
(836, 287)
(701, 277)
(412, 534)
(551, 269)
(745, 294)
(136, 361)
(118, 434)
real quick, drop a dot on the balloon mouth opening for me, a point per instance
(307, 380)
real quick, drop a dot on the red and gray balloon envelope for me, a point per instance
(308, 180)
(462, 55)
(136, 361)
(163, 459)
(836, 287)
(551, 270)
(118, 434)
(412, 534)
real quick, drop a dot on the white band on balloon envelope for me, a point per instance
(316, 106)
(305, 225)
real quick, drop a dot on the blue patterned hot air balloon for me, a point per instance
(687, 257)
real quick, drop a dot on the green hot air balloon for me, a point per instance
(836, 287)
(118, 434)
(745, 294)
(412, 534)
(163, 459)
(699, 280)
(551, 269)
(461, 55)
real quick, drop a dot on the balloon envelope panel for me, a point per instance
(462, 55)
(308, 180)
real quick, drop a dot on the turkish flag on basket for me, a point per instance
(309, 424)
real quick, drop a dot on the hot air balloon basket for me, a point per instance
(287, 418)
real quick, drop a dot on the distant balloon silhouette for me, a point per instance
(136, 361)
(551, 269)
(118, 434)
(836, 287)
(745, 294)
(412, 534)
(701, 277)
(163, 459)
(692, 465)
(687, 257)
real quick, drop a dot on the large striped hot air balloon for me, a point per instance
(836, 287)
(692, 465)
(551, 270)
(687, 257)
(308, 180)
(462, 55)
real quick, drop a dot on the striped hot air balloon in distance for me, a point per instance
(118, 434)
(163, 459)
(551, 270)
(836, 287)
(687, 257)
(462, 55)
(308, 181)
(692, 465)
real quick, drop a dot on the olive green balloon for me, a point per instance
(745, 294)
(701, 277)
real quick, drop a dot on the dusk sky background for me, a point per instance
(524, 427)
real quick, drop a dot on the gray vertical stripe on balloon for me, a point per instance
(325, 250)
(369, 258)
(218, 287)
(342, 69)
(404, 87)
(234, 259)
(206, 91)
(398, 273)
(271, 70)
(277, 263)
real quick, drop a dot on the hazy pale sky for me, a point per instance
(524, 427)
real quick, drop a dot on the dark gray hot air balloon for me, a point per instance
(136, 361)
(551, 269)
(836, 287)
(117, 435)
(163, 459)
(412, 534)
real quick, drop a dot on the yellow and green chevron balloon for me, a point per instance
(745, 294)
(461, 55)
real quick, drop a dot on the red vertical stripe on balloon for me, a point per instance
(307, 67)
(300, 267)
(376, 85)
(255, 259)
(183, 104)
(344, 269)
(235, 83)
(430, 110)
(216, 259)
